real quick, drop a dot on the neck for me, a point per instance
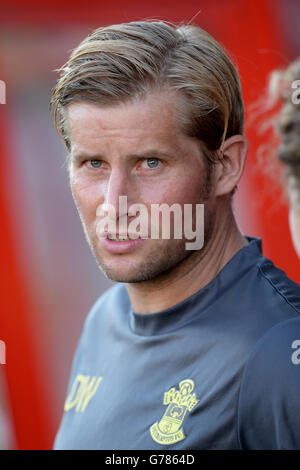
(194, 273)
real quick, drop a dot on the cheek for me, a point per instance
(294, 221)
(87, 197)
(186, 190)
(183, 188)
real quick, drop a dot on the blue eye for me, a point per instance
(95, 163)
(152, 162)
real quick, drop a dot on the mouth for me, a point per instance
(122, 237)
(118, 243)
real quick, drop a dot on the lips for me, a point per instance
(118, 244)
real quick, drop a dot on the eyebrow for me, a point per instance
(151, 153)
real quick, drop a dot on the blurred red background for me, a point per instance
(49, 279)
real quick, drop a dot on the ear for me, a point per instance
(231, 165)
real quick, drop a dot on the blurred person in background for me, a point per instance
(277, 360)
(170, 357)
(285, 85)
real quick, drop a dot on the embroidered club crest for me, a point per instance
(169, 429)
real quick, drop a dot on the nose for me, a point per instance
(117, 186)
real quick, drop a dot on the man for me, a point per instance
(154, 114)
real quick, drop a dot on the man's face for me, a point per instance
(136, 150)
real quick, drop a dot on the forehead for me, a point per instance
(154, 117)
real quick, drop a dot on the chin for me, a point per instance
(129, 275)
(156, 264)
(153, 267)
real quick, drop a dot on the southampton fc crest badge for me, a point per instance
(169, 429)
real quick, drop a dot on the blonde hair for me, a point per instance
(279, 156)
(288, 123)
(121, 62)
